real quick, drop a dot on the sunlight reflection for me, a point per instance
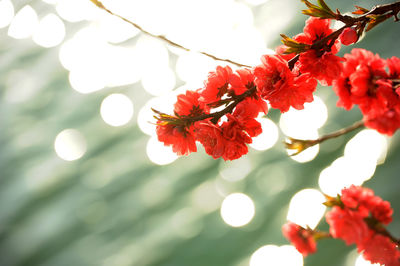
(70, 145)
(6, 13)
(24, 23)
(116, 110)
(50, 31)
(237, 209)
(306, 208)
(277, 256)
(158, 153)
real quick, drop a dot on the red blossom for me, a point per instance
(241, 80)
(210, 136)
(320, 62)
(188, 104)
(347, 225)
(179, 137)
(384, 121)
(348, 36)
(325, 68)
(301, 238)
(366, 203)
(280, 86)
(216, 84)
(380, 249)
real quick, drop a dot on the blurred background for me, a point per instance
(83, 180)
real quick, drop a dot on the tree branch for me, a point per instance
(301, 145)
(163, 38)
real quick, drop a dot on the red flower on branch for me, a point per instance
(282, 87)
(380, 249)
(347, 225)
(301, 238)
(320, 61)
(216, 84)
(178, 136)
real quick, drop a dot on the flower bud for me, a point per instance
(348, 36)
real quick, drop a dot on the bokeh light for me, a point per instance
(6, 13)
(268, 137)
(235, 170)
(70, 145)
(277, 256)
(24, 23)
(360, 261)
(50, 31)
(367, 145)
(158, 153)
(306, 208)
(116, 109)
(237, 209)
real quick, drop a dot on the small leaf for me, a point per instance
(360, 11)
(97, 3)
(324, 6)
(376, 20)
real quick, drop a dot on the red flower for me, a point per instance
(188, 104)
(321, 62)
(394, 67)
(280, 86)
(301, 238)
(380, 249)
(357, 84)
(241, 80)
(347, 225)
(365, 203)
(348, 36)
(325, 67)
(237, 135)
(179, 137)
(210, 136)
(385, 121)
(216, 85)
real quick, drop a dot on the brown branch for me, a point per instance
(163, 38)
(189, 120)
(301, 145)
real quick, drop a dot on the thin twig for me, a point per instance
(163, 38)
(301, 145)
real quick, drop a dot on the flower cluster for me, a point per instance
(242, 94)
(357, 217)
(365, 81)
(222, 115)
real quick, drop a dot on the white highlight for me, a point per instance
(76, 10)
(360, 261)
(268, 137)
(236, 170)
(344, 172)
(306, 208)
(159, 81)
(24, 23)
(70, 145)
(6, 13)
(277, 256)
(237, 209)
(158, 153)
(116, 110)
(368, 144)
(361, 155)
(296, 123)
(50, 31)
